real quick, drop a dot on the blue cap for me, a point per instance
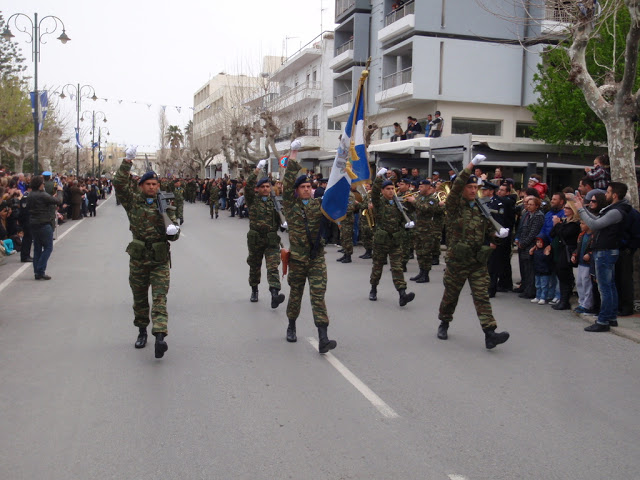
(147, 176)
(425, 182)
(386, 183)
(300, 180)
(47, 174)
(262, 181)
(472, 180)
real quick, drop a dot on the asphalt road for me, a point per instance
(233, 400)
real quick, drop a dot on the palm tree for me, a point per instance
(174, 137)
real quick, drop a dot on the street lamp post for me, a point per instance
(100, 143)
(78, 92)
(100, 116)
(35, 36)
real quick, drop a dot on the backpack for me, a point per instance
(631, 230)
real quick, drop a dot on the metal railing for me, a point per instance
(344, 47)
(293, 91)
(406, 9)
(307, 132)
(342, 99)
(344, 5)
(557, 13)
(398, 78)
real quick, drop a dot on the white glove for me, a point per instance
(261, 164)
(296, 145)
(409, 224)
(130, 153)
(173, 229)
(478, 158)
(284, 226)
(503, 233)
(382, 172)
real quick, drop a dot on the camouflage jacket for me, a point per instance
(262, 213)
(466, 224)
(179, 193)
(428, 212)
(385, 212)
(349, 219)
(214, 193)
(304, 221)
(145, 221)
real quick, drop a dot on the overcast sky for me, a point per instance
(159, 52)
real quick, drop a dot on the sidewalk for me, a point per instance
(628, 327)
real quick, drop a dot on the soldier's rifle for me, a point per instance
(164, 204)
(276, 203)
(485, 211)
(410, 223)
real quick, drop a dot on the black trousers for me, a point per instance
(527, 273)
(27, 240)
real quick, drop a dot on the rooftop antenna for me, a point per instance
(322, 9)
(286, 45)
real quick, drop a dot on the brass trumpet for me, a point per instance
(443, 190)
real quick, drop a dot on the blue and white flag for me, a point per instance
(101, 157)
(351, 164)
(78, 144)
(39, 111)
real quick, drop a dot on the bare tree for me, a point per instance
(163, 153)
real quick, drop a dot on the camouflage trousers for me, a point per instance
(366, 233)
(455, 277)
(142, 275)
(316, 271)
(180, 209)
(272, 260)
(407, 245)
(346, 237)
(380, 253)
(213, 206)
(435, 240)
(422, 243)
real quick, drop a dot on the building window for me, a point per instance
(524, 129)
(334, 125)
(386, 132)
(476, 127)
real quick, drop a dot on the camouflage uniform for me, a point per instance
(304, 231)
(262, 238)
(366, 232)
(436, 234)
(346, 226)
(214, 199)
(388, 238)
(468, 250)
(427, 229)
(179, 199)
(149, 253)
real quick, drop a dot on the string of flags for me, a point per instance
(178, 108)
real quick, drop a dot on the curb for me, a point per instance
(620, 331)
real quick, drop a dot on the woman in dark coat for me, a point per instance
(564, 235)
(530, 225)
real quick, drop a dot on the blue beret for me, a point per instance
(472, 180)
(404, 180)
(262, 181)
(386, 183)
(300, 180)
(46, 174)
(148, 176)
(425, 182)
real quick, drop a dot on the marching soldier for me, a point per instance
(346, 230)
(148, 251)
(428, 208)
(263, 239)
(404, 190)
(305, 220)
(366, 223)
(214, 198)
(469, 234)
(178, 191)
(388, 238)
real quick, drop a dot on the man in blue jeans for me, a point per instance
(607, 231)
(42, 212)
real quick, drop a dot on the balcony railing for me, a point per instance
(342, 99)
(307, 132)
(398, 78)
(344, 5)
(292, 92)
(406, 9)
(557, 13)
(345, 47)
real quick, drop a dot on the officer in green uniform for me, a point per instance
(404, 190)
(346, 230)
(427, 208)
(148, 251)
(178, 191)
(214, 198)
(262, 238)
(470, 241)
(305, 221)
(388, 238)
(366, 224)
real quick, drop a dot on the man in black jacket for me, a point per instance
(42, 211)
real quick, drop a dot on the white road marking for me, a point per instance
(457, 477)
(375, 400)
(17, 273)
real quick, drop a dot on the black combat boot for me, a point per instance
(341, 250)
(373, 294)
(405, 297)
(442, 330)
(181, 221)
(424, 278)
(341, 258)
(324, 344)
(367, 254)
(254, 294)
(491, 338)
(435, 260)
(276, 297)
(418, 276)
(346, 258)
(404, 267)
(161, 345)
(142, 338)
(291, 332)
(565, 293)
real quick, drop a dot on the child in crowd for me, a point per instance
(582, 257)
(543, 268)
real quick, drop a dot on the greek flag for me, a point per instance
(78, 144)
(351, 164)
(100, 157)
(39, 111)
